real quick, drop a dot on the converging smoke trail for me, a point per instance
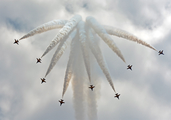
(45, 27)
(84, 47)
(121, 33)
(103, 34)
(67, 28)
(60, 50)
(99, 57)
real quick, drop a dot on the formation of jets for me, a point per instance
(61, 102)
(91, 87)
(117, 95)
(129, 67)
(38, 60)
(43, 80)
(161, 52)
(16, 41)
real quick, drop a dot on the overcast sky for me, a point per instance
(145, 91)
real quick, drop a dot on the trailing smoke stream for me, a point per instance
(45, 27)
(69, 26)
(78, 83)
(83, 39)
(93, 96)
(99, 57)
(121, 33)
(84, 47)
(60, 50)
(69, 73)
(103, 34)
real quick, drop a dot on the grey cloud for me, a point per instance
(76, 6)
(136, 11)
(21, 14)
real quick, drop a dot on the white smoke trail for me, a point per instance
(103, 34)
(121, 33)
(78, 83)
(45, 27)
(68, 73)
(99, 57)
(60, 50)
(69, 26)
(84, 47)
(92, 96)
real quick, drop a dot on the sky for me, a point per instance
(145, 91)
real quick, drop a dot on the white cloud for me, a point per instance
(144, 91)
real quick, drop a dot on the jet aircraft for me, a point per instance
(91, 87)
(43, 80)
(161, 52)
(61, 102)
(16, 41)
(38, 60)
(129, 67)
(117, 95)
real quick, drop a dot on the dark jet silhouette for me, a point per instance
(16, 41)
(117, 95)
(43, 80)
(161, 52)
(129, 67)
(91, 87)
(38, 60)
(61, 102)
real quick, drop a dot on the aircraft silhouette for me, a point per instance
(43, 80)
(91, 87)
(61, 102)
(38, 60)
(129, 67)
(16, 41)
(161, 52)
(117, 95)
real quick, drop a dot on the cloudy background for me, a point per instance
(145, 91)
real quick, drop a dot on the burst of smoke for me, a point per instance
(82, 36)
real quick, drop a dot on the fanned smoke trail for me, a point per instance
(60, 50)
(84, 47)
(83, 36)
(103, 34)
(68, 73)
(99, 57)
(45, 27)
(121, 33)
(67, 28)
